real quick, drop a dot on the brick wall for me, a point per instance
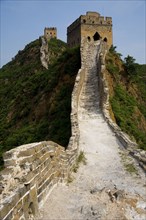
(31, 171)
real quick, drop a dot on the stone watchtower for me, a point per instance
(50, 33)
(90, 26)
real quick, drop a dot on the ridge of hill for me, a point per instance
(35, 102)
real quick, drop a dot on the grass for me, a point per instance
(81, 159)
(128, 163)
(130, 168)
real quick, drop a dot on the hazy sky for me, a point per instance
(23, 21)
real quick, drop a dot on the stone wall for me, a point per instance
(74, 140)
(44, 55)
(33, 170)
(125, 140)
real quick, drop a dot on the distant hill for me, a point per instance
(35, 102)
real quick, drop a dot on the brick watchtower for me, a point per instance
(92, 26)
(50, 33)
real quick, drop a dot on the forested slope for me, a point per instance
(127, 83)
(35, 102)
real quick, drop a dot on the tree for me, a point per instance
(130, 65)
(113, 51)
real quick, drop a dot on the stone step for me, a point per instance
(89, 98)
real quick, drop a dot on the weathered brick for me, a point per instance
(8, 155)
(4, 210)
(10, 162)
(26, 153)
(9, 205)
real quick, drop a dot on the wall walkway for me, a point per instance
(90, 194)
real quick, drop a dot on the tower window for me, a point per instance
(96, 36)
(105, 39)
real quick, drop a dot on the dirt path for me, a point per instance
(102, 189)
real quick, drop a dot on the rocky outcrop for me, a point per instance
(44, 57)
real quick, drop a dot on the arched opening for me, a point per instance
(84, 20)
(105, 39)
(96, 36)
(89, 39)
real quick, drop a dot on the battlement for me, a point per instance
(90, 18)
(87, 25)
(50, 32)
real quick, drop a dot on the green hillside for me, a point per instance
(35, 102)
(127, 81)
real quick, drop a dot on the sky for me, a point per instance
(22, 21)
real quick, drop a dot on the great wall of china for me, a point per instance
(101, 189)
(33, 170)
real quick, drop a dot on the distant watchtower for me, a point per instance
(90, 26)
(50, 33)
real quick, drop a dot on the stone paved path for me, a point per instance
(90, 195)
